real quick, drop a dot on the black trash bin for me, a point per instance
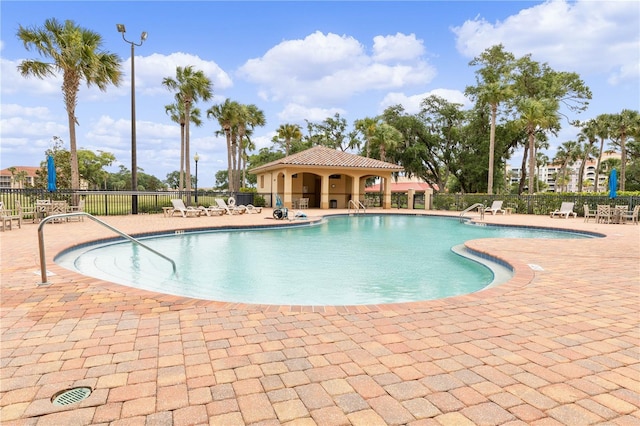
(243, 198)
(333, 204)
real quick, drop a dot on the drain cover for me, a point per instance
(71, 396)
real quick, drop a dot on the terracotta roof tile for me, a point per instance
(327, 157)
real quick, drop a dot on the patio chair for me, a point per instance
(303, 203)
(588, 214)
(77, 209)
(179, 207)
(7, 217)
(231, 208)
(632, 215)
(251, 209)
(603, 213)
(496, 207)
(566, 209)
(26, 212)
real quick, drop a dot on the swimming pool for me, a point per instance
(344, 260)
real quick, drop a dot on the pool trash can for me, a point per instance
(333, 204)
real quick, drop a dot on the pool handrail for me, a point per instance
(356, 206)
(43, 264)
(473, 207)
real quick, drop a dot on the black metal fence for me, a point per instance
(113, 203)
(531, 204)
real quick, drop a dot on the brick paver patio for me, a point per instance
(558, 344)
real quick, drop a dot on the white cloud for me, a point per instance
(397, 47)
(582, 36)
(13, 82)
(322, 69)
(412, 103)
(296, 113)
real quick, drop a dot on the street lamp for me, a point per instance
(134, 160)
(196, 158)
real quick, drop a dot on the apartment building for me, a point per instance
(18, 177)
(551, 175)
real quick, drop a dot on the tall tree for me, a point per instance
(587, 138)
(191, 86)
(367, 127)
(176, 112)
(493, 86)
(622, 125)
(566, 155)
(249, 117)
(601, 125)
(77, 53)
(227, 114)
(539, 93)
(285, 134)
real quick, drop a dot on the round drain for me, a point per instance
(71, 396)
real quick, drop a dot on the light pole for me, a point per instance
(134, 160)
(196, 158)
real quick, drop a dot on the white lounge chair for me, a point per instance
(211, 211)
(496, 207)
(566, 209)
(251, 209)
(231, 208)
(179, 207)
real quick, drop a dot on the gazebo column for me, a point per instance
(324, 194)
(386, 201)
(355, 190)
(288, 187)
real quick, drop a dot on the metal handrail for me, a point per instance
(356, 206)
(473, 207)
(43, 264)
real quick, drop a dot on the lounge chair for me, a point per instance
(211, 211)
(496, 207)
(632, 215)
(231, 208)
(179, 207)
(566, 209)
(588, 214)
(251, 209)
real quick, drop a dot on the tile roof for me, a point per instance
(323, 156)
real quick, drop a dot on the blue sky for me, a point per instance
(297, 61)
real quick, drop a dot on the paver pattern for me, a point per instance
(555, 345)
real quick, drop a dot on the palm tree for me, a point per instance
(588, 137)
(493, 87)
(227, 115)
(624, 124)
(76, 53)
(289, 132)
(366, 126)
(602, 131)
(250, 116)
(536, 115)
(565, 156)
(385, 138)
(191, 86)
(541, 160)
(176, 112)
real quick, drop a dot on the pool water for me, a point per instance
(344, 260)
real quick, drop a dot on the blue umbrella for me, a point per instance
(613, 183)
(51, 174)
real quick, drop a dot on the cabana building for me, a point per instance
(326, 177)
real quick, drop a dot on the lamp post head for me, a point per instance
(121, 28)
(196, 157)
(143, 36)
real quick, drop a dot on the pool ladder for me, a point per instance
(43, 262)
(356, 207)
(476, 205)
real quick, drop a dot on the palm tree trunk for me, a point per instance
(229, 174)
(532, 159)
(187, 112)
(523, 170)
(595, 188)
(623, 160)
(492, 145)
(181, 183)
